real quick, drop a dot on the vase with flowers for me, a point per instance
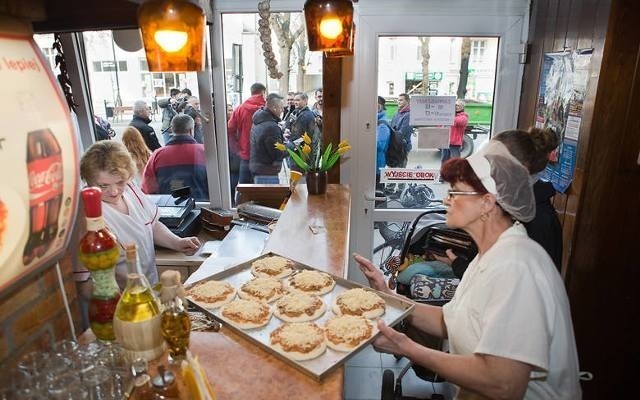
(314, 162)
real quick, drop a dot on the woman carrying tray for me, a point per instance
(508, 324)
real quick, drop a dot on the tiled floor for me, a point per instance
(363, 380)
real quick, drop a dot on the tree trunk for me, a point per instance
(281, 25)
(465, 52)
(301, 47)
(424, 52)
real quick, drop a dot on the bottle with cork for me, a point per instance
(176, 324)
(137, 317)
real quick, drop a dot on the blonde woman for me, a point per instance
(127, 211)
(133, 141)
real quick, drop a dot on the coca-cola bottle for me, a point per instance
(44, 169)
(99, 253)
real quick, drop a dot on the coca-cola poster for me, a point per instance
(38, 162)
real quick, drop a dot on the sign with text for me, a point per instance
(398, 175)
(432, 110)
(38, 162)
(433, 137)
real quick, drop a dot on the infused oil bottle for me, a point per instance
(137, 317)
(176, 324)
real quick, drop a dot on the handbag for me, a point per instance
(440, 238)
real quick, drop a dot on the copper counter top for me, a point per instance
(239, 370)
(314, 230)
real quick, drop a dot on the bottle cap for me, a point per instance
(92, 198)
(130, 250)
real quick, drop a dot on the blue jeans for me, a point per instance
(266, 179)
(245, 173)
(452, 152)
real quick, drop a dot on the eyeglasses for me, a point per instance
(453, 193)
(118, 185)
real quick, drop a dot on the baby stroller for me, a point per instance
(432, 237)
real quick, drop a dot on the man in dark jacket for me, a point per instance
(182, 162)
(239, 129)
(266, 161)
(303, 121)
(140, 121)
(400, 121)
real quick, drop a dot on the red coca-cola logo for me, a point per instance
(45, 178)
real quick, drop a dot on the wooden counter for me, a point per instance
(328, 215)
(239, 369)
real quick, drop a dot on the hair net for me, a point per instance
(506, 178)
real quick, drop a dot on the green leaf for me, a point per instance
(325, 157)
(298, 160)
(332, 161)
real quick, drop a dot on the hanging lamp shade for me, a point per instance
(329, 24)
(344, 53)
(173, 35)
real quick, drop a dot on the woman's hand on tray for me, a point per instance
(372, 273)
(390, 341)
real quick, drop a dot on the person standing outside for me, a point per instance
(383, 134)
(290, 107)
(141, 121)
(239, 130)
(266, 161)
(304, 120)
(317, 106)
(456, 133)
(168, 111)
(400, 122)
(182, 162)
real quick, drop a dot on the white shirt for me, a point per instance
(511, 303)
(135, 227)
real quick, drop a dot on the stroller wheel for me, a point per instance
(388, 385)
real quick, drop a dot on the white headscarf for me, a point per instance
(506, 178)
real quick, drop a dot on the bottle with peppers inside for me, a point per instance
(99, 253)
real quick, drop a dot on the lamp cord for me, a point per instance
(65, 301)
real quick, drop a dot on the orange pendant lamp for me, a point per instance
(329, 25)
(173, 35)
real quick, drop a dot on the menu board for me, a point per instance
(38, 162)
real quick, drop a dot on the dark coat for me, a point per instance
(148, 134)
(265, 159)
(545, 227)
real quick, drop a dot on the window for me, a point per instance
(478, 48)
(244, 66)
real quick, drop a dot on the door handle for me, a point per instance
(368, 197)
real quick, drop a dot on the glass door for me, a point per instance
(464, 57)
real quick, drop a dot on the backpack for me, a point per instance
(396, 151)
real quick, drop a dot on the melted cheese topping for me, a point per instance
(246, 310)
(349, 329)
(263, 288)
(354, 301)
(294, 304)
(211, 291)
(301, 337)
(271, 266)
(310, 280)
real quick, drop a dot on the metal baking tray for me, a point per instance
(396, 310)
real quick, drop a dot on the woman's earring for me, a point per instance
(484, 216)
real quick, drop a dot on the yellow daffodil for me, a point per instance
(279, 146)
(306, 149)
(343, 143)
(344, 149)
(306, 138)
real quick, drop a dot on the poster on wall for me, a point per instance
(563, 85)
(38, 162)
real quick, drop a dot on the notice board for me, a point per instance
(563, 85)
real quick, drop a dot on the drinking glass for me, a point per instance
(99, 383)
(34, 363)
